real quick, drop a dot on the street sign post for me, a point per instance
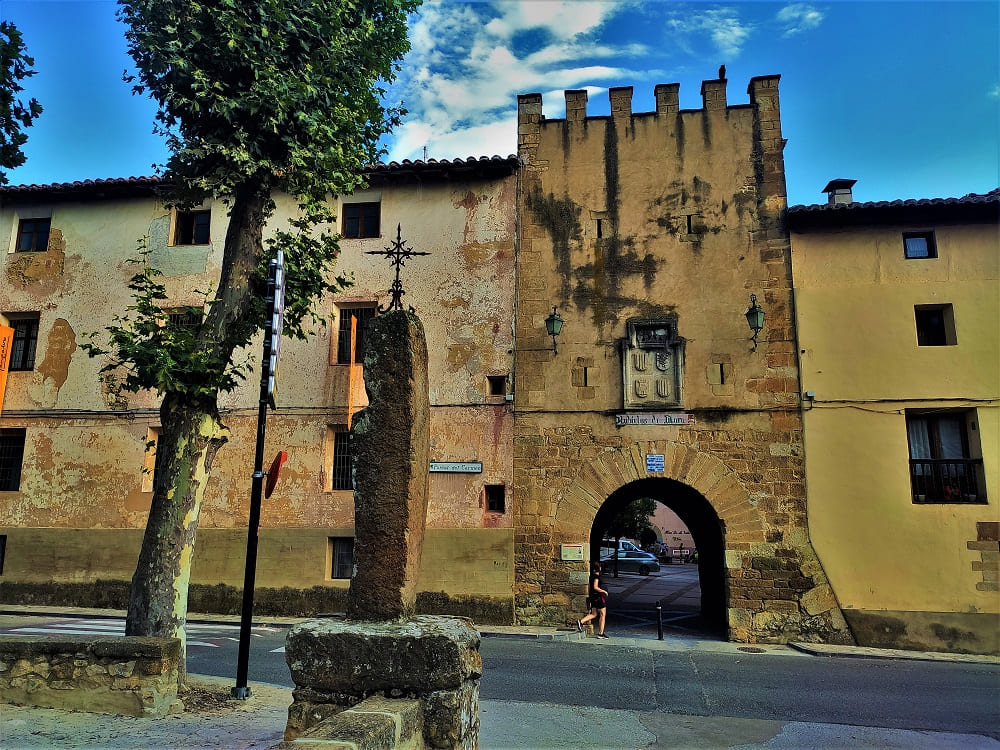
(269, 368)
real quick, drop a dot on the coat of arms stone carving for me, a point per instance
(653, 363)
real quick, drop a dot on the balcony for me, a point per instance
(947, 480)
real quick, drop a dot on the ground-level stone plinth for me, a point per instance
(336, 664)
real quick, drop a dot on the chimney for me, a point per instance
(667, 98)
(621, 101)
(839, 191)
(713, 94)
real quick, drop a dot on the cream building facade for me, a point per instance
(897, 308)
(74, 494)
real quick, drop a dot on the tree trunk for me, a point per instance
(191, 434)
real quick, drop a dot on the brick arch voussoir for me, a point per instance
(613, 469)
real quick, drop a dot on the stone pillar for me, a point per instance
(576, 105)
(713, 94)
(390, 445)
(667, 98)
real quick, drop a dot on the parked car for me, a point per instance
(631, 561)
(624, 545)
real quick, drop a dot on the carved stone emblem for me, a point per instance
(652, 346)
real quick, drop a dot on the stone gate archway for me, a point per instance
(702, 521)
(775, 589)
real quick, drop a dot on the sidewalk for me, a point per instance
(212, 721)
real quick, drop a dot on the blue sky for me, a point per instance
(902, 96)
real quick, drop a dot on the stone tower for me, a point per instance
(649, 232)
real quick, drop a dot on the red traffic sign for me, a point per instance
(273, 472)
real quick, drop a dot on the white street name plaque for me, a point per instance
(652, 419)
(457, 467)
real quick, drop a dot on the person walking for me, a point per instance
(598, 602)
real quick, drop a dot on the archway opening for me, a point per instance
(707, 533)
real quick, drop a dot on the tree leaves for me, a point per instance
(15, 114)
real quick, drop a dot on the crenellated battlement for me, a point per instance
(713, 96)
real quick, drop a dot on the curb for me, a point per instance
(867, 652)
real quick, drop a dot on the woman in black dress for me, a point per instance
(598, 601)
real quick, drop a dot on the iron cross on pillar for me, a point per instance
(398, 253)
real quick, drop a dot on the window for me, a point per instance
(188, 318)
(362, 317)
(22, 353)
(340, 471)
(495, 498)
(11, 456)
(946, 464)
(192, 227)
(935, 325)
(497, 384)
(919, 245)
(361, 220)
(33, 235)
(341, 556)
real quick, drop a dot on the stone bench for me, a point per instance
(130, 675)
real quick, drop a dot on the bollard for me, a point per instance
(659, 622)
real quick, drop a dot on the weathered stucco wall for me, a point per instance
(85, 444)
(653, 215)
(916, 575)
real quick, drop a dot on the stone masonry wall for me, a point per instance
(132, 676)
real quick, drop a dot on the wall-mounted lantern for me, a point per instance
(755, 318)
(553, 327)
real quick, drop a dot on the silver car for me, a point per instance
(642, 563)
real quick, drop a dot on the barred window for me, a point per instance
(363, 316)
(11, 457)
(340, 474)
(341, 556)
(495, 498)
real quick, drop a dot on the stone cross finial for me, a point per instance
(390, 446)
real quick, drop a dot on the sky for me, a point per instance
(902, 96)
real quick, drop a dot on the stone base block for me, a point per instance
(339, 664)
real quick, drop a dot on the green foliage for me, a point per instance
(15, 114)
(157, 354)
(286, 93)
(254, 96)
(633, 520)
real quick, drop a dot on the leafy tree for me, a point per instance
(631, 523)
(15, 114)
(255, 96)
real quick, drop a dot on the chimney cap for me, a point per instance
(838, 184)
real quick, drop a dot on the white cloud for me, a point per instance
(995, 92)
(722, 25)
(467, 64)
(799, 17)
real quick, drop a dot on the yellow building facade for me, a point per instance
(75, 484)
(897, 308)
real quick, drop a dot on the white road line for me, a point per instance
(278, 650)
(64, 631)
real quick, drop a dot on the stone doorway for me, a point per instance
(633, 604)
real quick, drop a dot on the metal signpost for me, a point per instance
(272, 346)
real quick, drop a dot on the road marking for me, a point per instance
(278, 650)
(114, 628)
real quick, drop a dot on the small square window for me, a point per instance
(341, 556)
(361, 220)
(22, 352)
(33, 235)
(497, 384)
(361, 316)
(339, 442)
(935, 325)
(919, 245)
(11, 457)
(496, 498)
(192, 227)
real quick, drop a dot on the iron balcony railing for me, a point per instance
(947, 480)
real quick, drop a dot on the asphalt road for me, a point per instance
(779, 684)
